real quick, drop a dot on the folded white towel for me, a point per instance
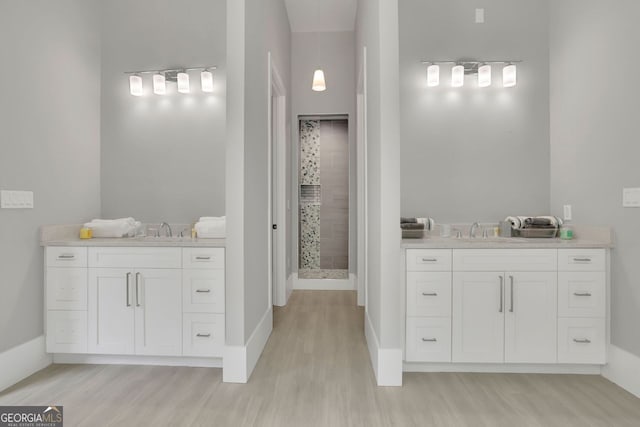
(124, 227)
(211, 218)
(211, 229)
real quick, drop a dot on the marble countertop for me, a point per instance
(67, 235)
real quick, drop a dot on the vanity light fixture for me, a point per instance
(135, 85)
(460, 68)
(161, 77)
(318, 85)
(159, 84)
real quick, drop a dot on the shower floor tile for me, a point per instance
(323, 274)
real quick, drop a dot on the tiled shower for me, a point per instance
(324, 199)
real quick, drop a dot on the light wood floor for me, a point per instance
(315, 371)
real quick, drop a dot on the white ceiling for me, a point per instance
(321, 15)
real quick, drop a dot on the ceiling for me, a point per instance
(321, 15)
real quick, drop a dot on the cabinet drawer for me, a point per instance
(581, 340)
(66, 332)
(203, 258)
(203, 334)
(428, 260)
(581, 259)
(62, 256)
(581, 294)
(505, 260)
(135, 257)
(66, 288)
(429, 294)
(428, 339)
(203, 291)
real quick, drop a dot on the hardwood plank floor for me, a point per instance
(315, 371)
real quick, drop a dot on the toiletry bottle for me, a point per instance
(193, 233)
(566, 232)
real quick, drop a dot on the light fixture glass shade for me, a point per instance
(484, 76)
(206, 81)
(509, 76)
(183, 82)
(457, 76)
(135, 85)
(433, 75)
(318, 84)
(159, 84)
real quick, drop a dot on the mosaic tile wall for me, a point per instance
(309, 212)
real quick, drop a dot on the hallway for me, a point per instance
(315, 371)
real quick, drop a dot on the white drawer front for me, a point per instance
(203, 335)
(581, 259)
(581, 294)
(428, 260)
(62, 256)
(66, 332)
(66, 288)
(581, 340)
(203, 291)
(429, 294)
(505, 260)
(135, 257)
(428, 339)
(203, 258)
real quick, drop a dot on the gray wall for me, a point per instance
(470, 153)
(163, 157)
(594, 136)
(335, 53)
(49, 142)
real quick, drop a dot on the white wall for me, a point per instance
(49, 142)
(594, 136)
(470, 153)
(163, 157)
(335, 53)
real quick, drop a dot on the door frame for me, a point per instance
(278, 294)
(361, 181)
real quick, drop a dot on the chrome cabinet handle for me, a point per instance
(203, 291)
(429, 340)
(138, 290)
(501, 309)
(203, 335)
(582, 259)
(203, 258)
(128, 291)
(511, 296)
(66, 256)
(429, 259)
(426, 294)
(582, 294)
(582, 341)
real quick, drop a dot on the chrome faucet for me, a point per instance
(472, 230)
(169, 233)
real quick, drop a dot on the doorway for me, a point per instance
(323, 195)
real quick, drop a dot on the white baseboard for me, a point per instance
(240, 361)
(503, 368)
(22, 361)
(324, 284)
(623, 369)
(115, 359)
(386, 362)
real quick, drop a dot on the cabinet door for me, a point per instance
(110, 311)
(478, 317)
(158, 301)
(531, 317)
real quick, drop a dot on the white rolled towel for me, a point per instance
(515, 221)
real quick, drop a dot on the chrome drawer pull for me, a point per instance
(203, 335)
(434, 294)
(203, 258)
(429, 340)
(582, 294)
(582, 259)
(128, 291)
(511, 296)
(582, 341)
(69, 256)
(501, 309)
(429, 259)
(203, 291)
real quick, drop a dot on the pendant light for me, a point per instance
(509, 76)
(183, 82)
(433, 75)
(318, 84)
(457, 76)
(206, 80)
(135, 85)
(159, 84)
(484, 75)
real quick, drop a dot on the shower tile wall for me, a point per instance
(309, 212)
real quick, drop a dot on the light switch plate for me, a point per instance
(16, 199)
(568, 214)
(479, 16)
(631, 197)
